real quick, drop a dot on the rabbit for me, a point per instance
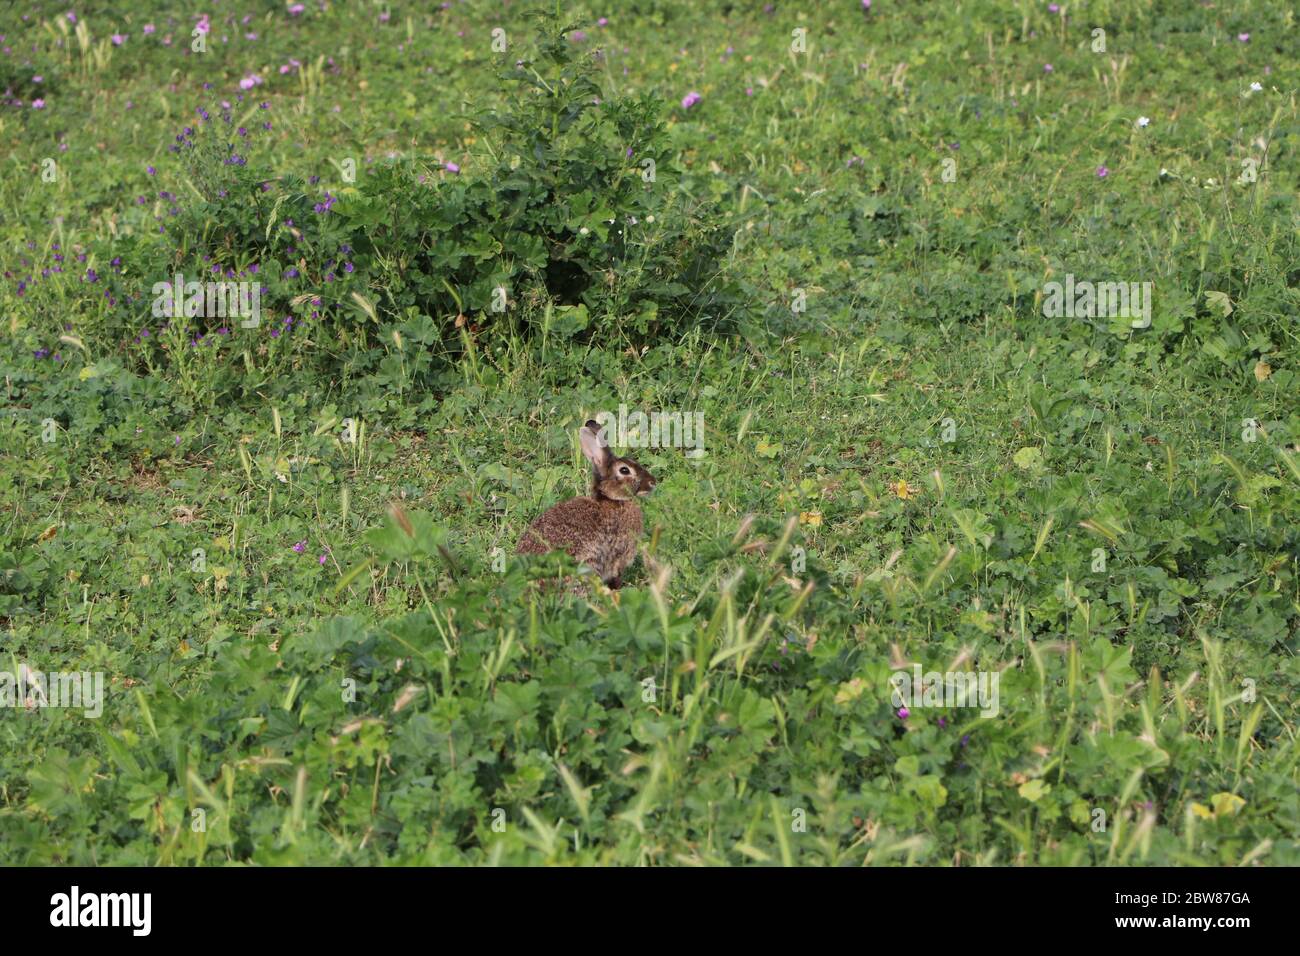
(600, 530)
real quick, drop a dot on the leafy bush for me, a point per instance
(580, 204)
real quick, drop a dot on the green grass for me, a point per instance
(918, 467)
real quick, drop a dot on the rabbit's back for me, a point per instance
(599, 533)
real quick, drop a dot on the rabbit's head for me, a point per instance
(613, 478)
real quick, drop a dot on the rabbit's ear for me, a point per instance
(597, 452)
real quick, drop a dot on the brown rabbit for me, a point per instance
(600, 530)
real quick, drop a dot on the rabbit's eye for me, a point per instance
(624, 470)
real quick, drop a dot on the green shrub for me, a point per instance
(580, 204)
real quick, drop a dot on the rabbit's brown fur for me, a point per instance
(602, 529)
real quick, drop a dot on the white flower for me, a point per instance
(1144, 121)
(583, 231)
(1255, 88)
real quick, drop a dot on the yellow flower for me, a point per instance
(903, 490)
(1225, 805)
(813, 518)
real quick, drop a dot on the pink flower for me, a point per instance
(148, 29)
(296, 9)
(38, 104)
(1102, 172)
(250, 81)
(451, 167)
(903, 713)
(1047, 68)
(690, 99)
(1243, 37)
(118, 39)
(300, 547)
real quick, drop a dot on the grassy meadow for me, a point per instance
(828, 231)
